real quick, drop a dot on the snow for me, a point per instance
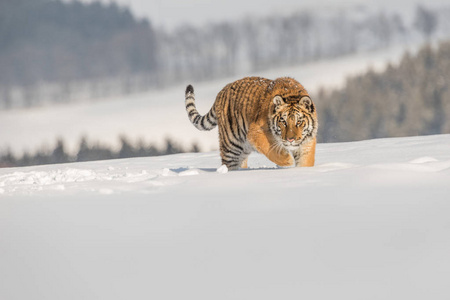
(146, 175)
(369, 221)
(222, 169)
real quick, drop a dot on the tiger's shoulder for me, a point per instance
(283, 86)
(286, 87)
(260, 91)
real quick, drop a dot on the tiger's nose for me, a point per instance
(290, 140)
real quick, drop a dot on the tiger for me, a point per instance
(274, 117)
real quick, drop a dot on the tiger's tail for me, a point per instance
(206, 122)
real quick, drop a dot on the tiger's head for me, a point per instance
(293, 120)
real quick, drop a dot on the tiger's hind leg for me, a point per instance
(234, 153)
(233, 157)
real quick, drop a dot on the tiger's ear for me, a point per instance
(278, 100)
(307, 102)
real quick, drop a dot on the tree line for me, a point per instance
(55, 51)
(88, 151)
(408, 99)
(55, 41)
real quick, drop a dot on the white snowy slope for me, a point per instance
(370, 221)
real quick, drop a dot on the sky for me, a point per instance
(173, 13)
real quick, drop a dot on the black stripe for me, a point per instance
(229, 160)
(243, 125)
(229, 151)
(225, 141)
(202, 122)
(230, 163)
(232, 147)
(241, 135)
(237, 146)
(242, 130)
(226, 162)
(193, 112)
(310, 120)
(226, 137)
(212, 117)
(236, 116)
(230, 116)
(234, 135)
(231, 123)
(190, 105)
(208, 119)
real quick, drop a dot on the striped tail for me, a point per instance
(206, 122)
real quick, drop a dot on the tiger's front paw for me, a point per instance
(285, 160)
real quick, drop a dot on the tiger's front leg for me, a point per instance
(264, 142)
(244, 164)
(305, 155)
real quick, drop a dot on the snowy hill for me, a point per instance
(369, 221)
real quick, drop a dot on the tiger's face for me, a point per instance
(293, 120)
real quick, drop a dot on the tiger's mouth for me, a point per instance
(292, 143)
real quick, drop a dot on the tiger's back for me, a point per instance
(244, 112)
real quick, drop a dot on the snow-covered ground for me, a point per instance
(370, 221)
(159, 114)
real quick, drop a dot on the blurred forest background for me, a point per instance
(54, 52)
(408, 99)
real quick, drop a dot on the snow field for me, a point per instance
(405, 156)
(369, 221)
